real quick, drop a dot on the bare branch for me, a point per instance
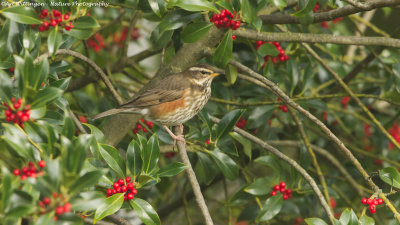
(193, 180)
(318, 38)
(330, 15)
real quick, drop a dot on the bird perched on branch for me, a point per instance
(173, 100)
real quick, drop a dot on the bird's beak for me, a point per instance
(214, 74)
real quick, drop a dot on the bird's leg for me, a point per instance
(181, 128)
(179, 137)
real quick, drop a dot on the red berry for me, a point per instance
(364, 201)
(375, 201)
(46, 200)
(82, 119)
(12, 69)
(277, 188)
(13, 100)
(56, 13)
(44, 12)
(237, 24)
(130, 186)
(121, 182)
(55, 218)
(372, 207)
(282, 190)
(116, 185)
(109, 191)
(53, 23)
(118, 190)
(42, 17)
(16, 105)
(138, 126)
(59, 19)
(134, 191)
(34, 175)
(130, 196)
(208, 142)
(67, 207)
(114, 191)
(273, 193)
(285, 197)
(144, 130)
(45, 23)
(298, 220)
(288, 191)
(24, 169)
(68, 28)
(55, 195)
(233, 37)
(16, 172)
(59, 210)
(282, 184)
(372, 211)
(23, 177)
(66, 16)
(127, 179)
(42, 163)
(124, 188)
(370, 201)
(380, 201)
(19, 114)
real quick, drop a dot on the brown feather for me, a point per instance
(108, 113)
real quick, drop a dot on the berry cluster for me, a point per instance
(298, 221)
(96, 42)
(47, 205)
(345, 100)
(282, 107)
(123, 186)
(281, 57)
(140, 127)
(372, 203)
(170, 154)
(120, 39)
(241, 123)
(55, 18)
(281, 187)
(30, 170)
(226, 19)
(16, 113)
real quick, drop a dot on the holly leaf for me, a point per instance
(195, 31)
(134, 159)
(223, 53)
(391, 176)
(21, 14)
(225, 163)
(111, 205)
(171, 169)
(145, 211)
(271, 208)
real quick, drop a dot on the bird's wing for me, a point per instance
(167, 90)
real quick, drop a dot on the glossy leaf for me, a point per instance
(305, 6)
(268, 49)
(195, 5)
(175, 20)
(171, 169)
(150, 156)
(5, 188)
(348, 217)
(54, 41)
(81, 34)
(271, 208)
(231, 73)
(89, 179)
(223, 53)
(249, 10)
(113, 159)
(17, 140)
(225, 164)
(158, 6)
(205, 169)
(245, 143)
(145, 211)
(315, 221)
(111, 205)
(261, 186)
(134, 159)
(366, 220)
(46, 219)
(227, 122)
(195, 31)
(203, 114)
(391, 176)
(21, 14)
(85, 22)
(46, 96)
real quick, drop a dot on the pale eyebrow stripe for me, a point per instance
(200, 69)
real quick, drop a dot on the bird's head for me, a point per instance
(202, 74)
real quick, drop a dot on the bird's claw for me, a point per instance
(179, 138)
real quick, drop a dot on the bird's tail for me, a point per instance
(108, 113)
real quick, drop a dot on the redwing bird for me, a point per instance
(173, 100)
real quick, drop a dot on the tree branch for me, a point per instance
(193, 180)
(290, 161)
(78, 55)
(318, 38)
(330, 15)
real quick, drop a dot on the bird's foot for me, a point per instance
(176, 137)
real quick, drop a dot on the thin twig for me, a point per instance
(358, 4)
(310, 152)
(78, 123)
(193, 180)
(118, 220)
(290, 161)
(88, 220)
(78, 55)
(317, 38)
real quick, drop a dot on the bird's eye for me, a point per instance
(203, 72)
